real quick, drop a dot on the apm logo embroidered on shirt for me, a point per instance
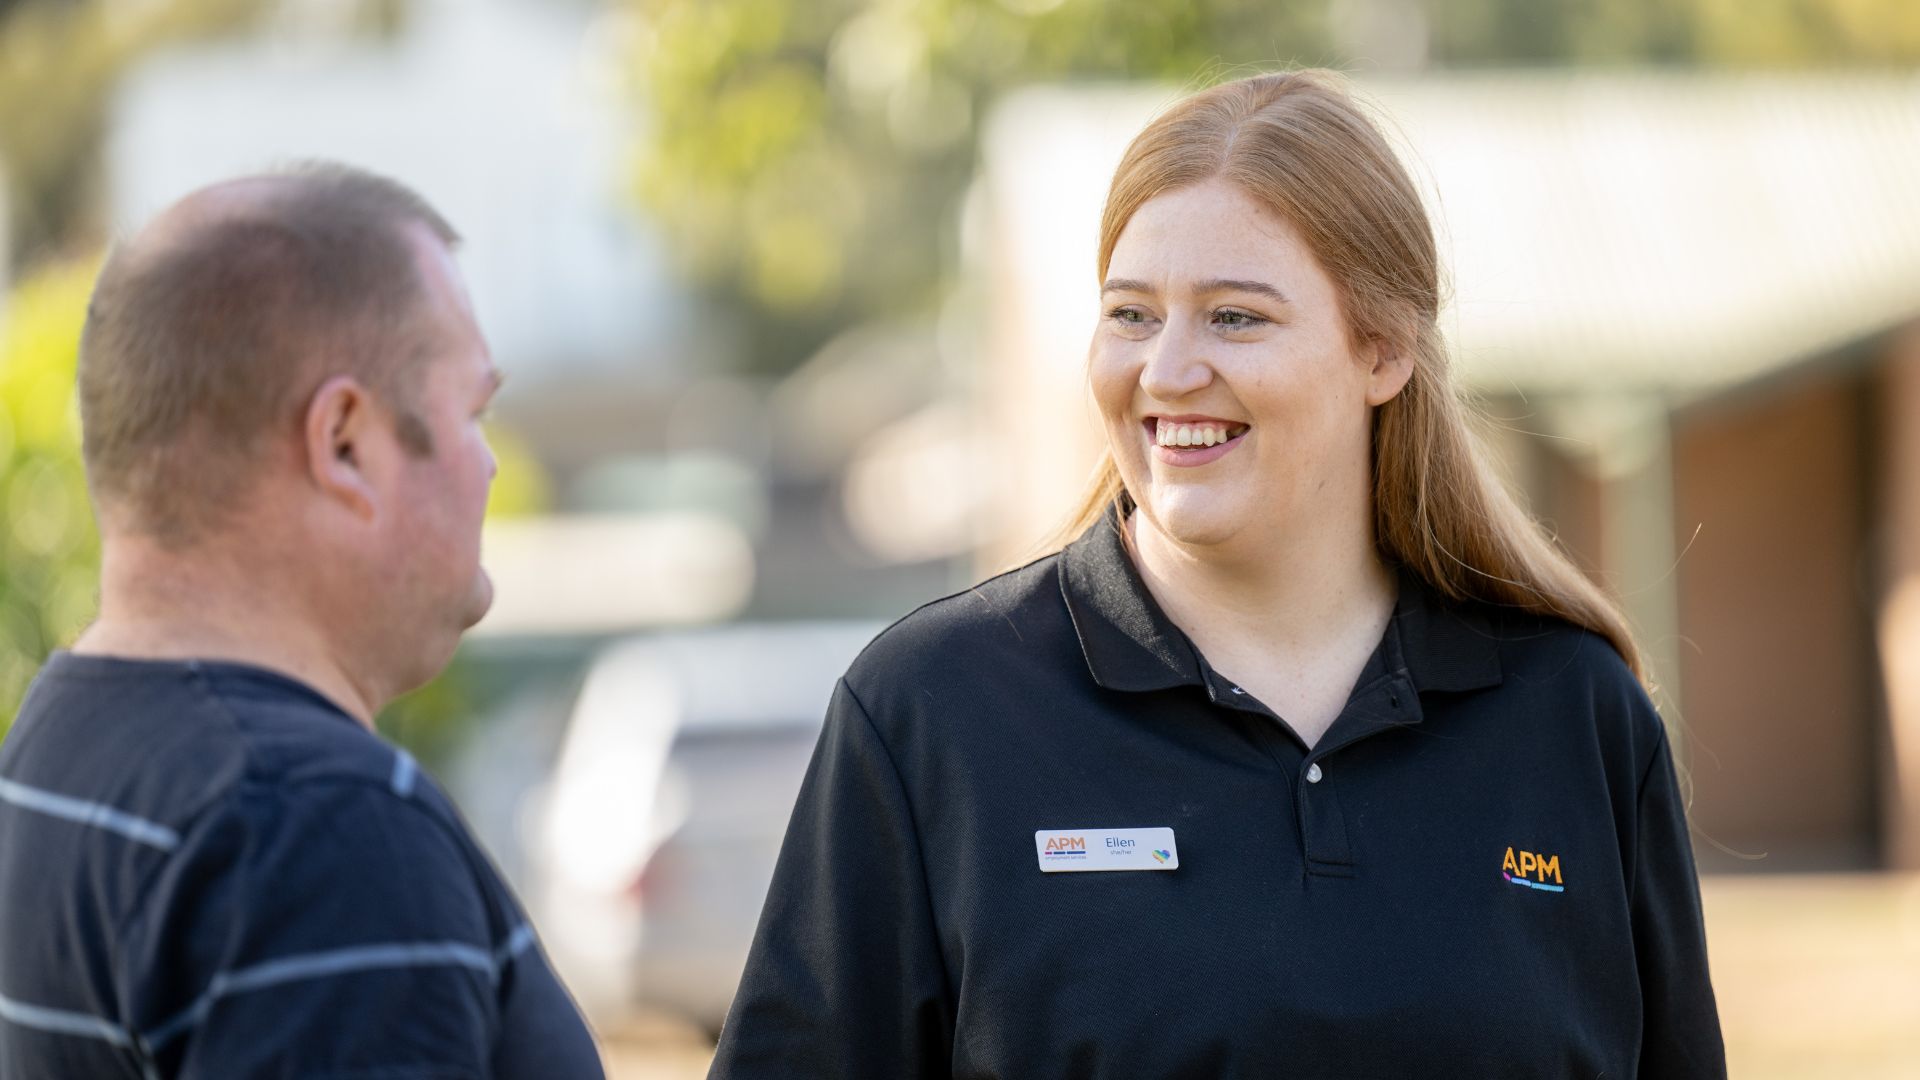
(1541, 867)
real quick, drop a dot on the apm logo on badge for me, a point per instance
(1066, 847)
(1105, 849)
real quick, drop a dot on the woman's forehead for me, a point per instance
(1199, 237)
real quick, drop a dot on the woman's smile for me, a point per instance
(1192, 441)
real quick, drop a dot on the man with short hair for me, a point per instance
(210, 866)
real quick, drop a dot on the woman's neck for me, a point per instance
(1292, 621)
(1287, 594)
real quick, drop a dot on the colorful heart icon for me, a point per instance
(1163, 856)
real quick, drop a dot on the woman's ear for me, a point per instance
(1388, 368)
(340, 423)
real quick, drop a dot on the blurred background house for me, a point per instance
(795, 300)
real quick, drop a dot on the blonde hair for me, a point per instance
(1299, 142)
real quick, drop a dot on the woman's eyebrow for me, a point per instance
(1212, 285)
(1258, 288)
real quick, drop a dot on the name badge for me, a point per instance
(1069, 850)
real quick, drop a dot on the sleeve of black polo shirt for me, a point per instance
(844, 978)
(1681, 1039)
(320, 929)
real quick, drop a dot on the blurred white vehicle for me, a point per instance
(651, 847)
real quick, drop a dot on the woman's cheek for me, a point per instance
(1113, 376)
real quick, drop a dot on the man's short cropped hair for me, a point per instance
(214, 327)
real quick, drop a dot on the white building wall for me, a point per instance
(506, 114)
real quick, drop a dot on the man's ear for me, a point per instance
(340, 429)
(1389, 368)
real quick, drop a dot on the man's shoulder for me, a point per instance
(182, 827)
(168, 744)
(346, 822)
(324, 890)
(102, 745)
(365, 803)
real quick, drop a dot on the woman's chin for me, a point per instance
(1192, 519)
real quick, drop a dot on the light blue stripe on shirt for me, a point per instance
(91, 814)
(517, 942)
(352, 960)
(62, 1022)
(404, 772)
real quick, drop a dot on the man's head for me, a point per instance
(283, 374)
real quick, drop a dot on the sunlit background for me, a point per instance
(795, 296)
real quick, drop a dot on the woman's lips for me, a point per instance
(1191, 457)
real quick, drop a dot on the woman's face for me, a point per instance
(1224, 373)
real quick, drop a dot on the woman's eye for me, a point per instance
(1131, 316)
(1236, 320)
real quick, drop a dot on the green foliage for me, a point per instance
(59, 63)
(808, 157)
(49, 552)
(431, 721)
(1807, 33)
(1709, 33)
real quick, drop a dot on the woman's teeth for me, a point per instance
(1195, 434)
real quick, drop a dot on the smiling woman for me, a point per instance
(1285, 174)
(1303, 651)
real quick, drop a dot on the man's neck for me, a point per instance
(156, 605)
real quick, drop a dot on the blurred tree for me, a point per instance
(1710, 33)
(808, 159)
(49, 549)
(59, 61)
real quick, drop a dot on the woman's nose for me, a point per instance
(1176, 364)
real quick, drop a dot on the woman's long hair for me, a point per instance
(1298, 142)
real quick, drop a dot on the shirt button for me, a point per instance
(1313, 773)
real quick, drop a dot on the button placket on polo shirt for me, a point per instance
(1323, 828)
(1384, 704)
(1318, 819)
(1387, 701)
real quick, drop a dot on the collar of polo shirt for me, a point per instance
(1130, 644)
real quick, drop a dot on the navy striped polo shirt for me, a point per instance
(208, 870)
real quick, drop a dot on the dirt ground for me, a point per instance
(1817, 976)
(657, 1048)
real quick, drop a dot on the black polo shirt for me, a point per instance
(209, 871)
(1481, 870)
